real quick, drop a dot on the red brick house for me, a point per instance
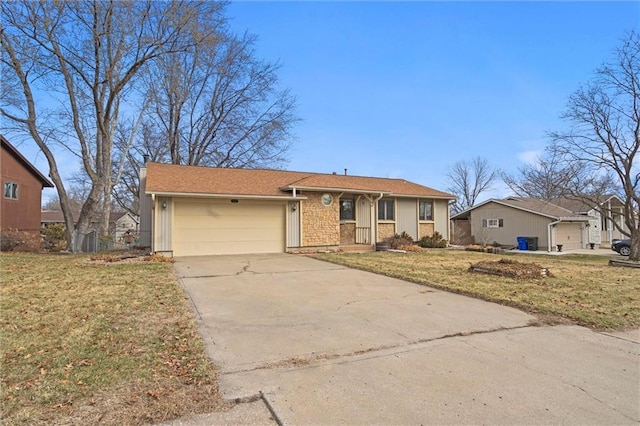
(21, 197)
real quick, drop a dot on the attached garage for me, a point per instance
(225, 226)
(569, 235)
(200, 211)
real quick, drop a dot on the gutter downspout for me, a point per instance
(549, 226)
(374, 221)
(153, 223)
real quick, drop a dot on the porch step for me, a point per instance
(357, 248)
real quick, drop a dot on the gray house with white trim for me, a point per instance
(567, 222)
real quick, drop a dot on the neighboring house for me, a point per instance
(567, 222)
(119, 222)
(601, 228)
(124, 222)
(187, 210)
(22, 187)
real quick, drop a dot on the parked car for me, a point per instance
(621, 246)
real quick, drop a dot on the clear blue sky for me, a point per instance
(405, 89)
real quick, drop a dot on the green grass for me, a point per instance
(583, 289)
(112, 343)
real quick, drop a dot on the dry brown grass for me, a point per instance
(583, 289)
(86, 343)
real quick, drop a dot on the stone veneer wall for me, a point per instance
(426, 230)
(320, 223)
(386, 230)
(348, 233)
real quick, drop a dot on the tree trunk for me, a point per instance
(635, 246)
(106, 210)
(84, 220)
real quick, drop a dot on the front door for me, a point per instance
(363, 221)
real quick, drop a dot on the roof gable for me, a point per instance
(25, 163)
(177, 179)
(532, 205)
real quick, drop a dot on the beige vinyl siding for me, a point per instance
(516, 223)
(407, 216)
(204, 227)
(163, 234)
(441, 217)
(293, 224)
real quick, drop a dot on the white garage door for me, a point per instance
(569, 235)
(221, 227)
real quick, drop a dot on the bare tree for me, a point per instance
(468, 180)
(151, 145)
(218, 105)
(550, 177)
(604, 135)
(69, 71)
(76, 194)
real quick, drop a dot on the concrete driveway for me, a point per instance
(323, 344)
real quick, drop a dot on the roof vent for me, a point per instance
(335, 173)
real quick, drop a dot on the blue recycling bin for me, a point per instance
(522, 243)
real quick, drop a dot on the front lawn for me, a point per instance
(583, 289)
(89, 343)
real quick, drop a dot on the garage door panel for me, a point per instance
(569, 235)
(244, 222)
(226, 235)
(221, 227)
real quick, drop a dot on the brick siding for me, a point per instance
(348, 233)
(425, 230)
(320, 223)
(386, 230)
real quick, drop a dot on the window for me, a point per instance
(492, 223)
(347, 211)
(385, 210)
(11, 190)
(426, 210)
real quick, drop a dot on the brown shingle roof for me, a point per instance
(543, 207)
(21, 159)
(368, 184)
(169, 178)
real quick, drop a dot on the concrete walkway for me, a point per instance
(306, 342)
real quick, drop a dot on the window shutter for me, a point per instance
(484, 223)
(500, 223)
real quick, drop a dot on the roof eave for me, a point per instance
(573, 219)
(438, 197)
(223, 196)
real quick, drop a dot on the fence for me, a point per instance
(90, 242)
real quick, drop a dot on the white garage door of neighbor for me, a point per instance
(204, 227)
(569, 235)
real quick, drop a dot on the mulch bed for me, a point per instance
(511, 268)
